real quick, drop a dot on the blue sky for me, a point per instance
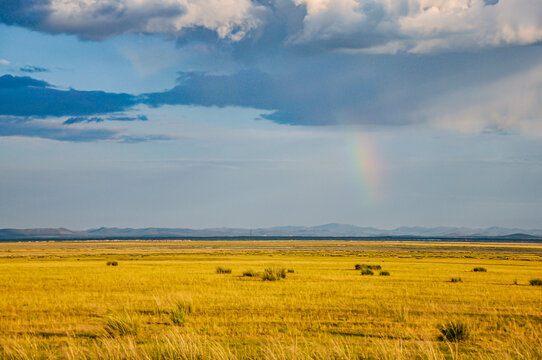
(274, 112)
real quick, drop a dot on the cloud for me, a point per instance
(347, 89)
(33, 69)
(25, 96)
(54, 129)
(47, 129)
(4, 62)
(13, 82)
(378, 26)
(493, 107)
(97, 20)
(95, 119)
(327, 90)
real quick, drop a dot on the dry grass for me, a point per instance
(165, 301)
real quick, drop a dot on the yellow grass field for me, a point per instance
(165, 300)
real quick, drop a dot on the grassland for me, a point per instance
(165, 300)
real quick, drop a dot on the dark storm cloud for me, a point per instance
(383, 90)
(348, 89)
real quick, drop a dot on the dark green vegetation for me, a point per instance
(453, 331)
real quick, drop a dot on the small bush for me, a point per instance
(291, 271)
(367, 272)
(112, 263)
(479, 269)
(536, 282)
(179, 314)
(250, 273)
(384, 273)
(273, 274)
(223, 270)
(367, 267)
(456, 279)
(453, 331)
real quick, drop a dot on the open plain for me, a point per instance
(166, 300)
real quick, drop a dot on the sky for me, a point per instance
(257, 113)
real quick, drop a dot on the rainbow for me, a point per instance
(366, 164)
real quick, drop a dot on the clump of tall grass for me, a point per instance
(291, 271)
(179, 313)
(456, 279)
(367, 272)
(250, 273)
(454, 331)
(536, 282)
(223, 270)
(273, 274)
(384, 273)
(122, 324)
(479, 269)
(112, 263)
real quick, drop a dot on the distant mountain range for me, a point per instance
(328, 230)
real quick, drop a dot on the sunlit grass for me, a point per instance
(165, 300)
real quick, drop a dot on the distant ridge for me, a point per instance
(327, 230)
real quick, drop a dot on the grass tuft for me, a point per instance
(367, 272)
(536, 282)
(223, 270)
(122, 324)
(274, 274)
(453, 331)
(479, 269)
(456, 279)
(250, 273)
(179, 314)
(384, 273)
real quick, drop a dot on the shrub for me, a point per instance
(453, 331)
(122, 324)
(108, 263)
(250, 273)
(273, 274)
(384, 273)
(367, 272)
(536, 282)
(179, 314)
(223, 270)
(291, 271)
(456, 279)
(367, 267)
(112, 263)
(479, 269)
